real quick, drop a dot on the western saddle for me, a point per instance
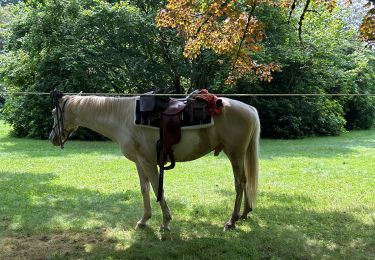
(171, 113)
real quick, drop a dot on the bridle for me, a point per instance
(56, 96)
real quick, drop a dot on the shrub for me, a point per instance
(295, 117)
(73, 46)
(360, 112)
(27, 115)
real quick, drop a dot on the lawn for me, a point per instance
(316, 200)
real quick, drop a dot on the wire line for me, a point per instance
(178, 95)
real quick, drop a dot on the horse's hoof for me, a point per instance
(140, 225)
(229, 226)
(164, 229)
(244, 216)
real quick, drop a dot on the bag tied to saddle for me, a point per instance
(151, 103)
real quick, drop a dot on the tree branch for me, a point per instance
(300, 22)
(244, 35)
(291, 10)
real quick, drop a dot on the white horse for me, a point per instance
(235, 131)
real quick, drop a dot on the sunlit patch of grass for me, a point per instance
(316, 200)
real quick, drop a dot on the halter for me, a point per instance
(56, 95)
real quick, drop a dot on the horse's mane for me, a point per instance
(103, 106)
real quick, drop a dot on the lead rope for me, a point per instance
(56, 95)
(60, 124)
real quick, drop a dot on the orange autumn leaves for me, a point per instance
(367, 28)
(229, 27)
(221, 26)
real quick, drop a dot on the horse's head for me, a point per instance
(63, 120)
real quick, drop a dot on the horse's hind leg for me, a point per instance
(145, 189)
(246, 207)
(240, 186)
(151, 172)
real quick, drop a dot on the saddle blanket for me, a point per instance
(153, 120)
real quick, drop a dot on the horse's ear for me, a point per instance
(56, 95)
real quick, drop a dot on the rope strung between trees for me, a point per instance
(24, 93)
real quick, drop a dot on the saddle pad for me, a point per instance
(153, 119)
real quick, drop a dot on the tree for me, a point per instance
(232, 28)
(91, 46)
(116, 47)
(331, 60)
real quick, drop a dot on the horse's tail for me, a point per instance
(252, 164)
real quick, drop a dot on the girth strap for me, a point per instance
(170, 134)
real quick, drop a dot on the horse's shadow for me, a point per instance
(31, 203)
(289, 227)
(301, 235)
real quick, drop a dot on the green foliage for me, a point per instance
(295, 117)
(360, 110)
(114, 47)
(75, 46)
(91, 46)
(331, 60)
(27, 115)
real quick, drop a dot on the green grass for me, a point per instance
(316, 200)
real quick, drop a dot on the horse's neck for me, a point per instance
(107, 116)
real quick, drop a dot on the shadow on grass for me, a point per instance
(42, 220)
(30, 202)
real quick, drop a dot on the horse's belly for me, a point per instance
(195, 144)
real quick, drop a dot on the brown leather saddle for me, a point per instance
(171, 113)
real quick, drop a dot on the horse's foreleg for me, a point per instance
(145, 189)
(163, 204)
(166, 215)
(239, 184)
(151, 172)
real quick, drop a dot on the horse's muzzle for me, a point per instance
(54, 139)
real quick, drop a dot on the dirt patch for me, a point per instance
(45, 246)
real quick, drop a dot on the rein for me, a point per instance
(56, 95)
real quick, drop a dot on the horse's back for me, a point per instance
(232, 130)
(237, 123)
